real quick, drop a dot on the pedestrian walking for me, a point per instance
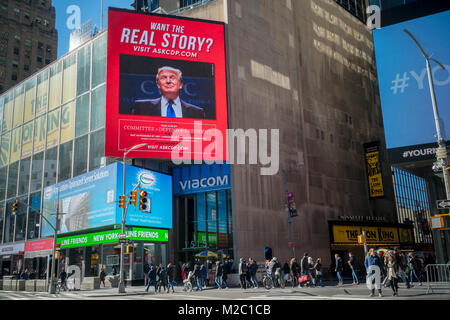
(103, 276)
(339, 266)
(294, 267)
(204, 275)
(352, 262)
(311, 271)
(414, 272)
(63, 277)
(254, 270)
(170, 277)
(371, 260)
(152, 279)
(392, 273)
(242, 273)
(198, 277)
(318, 271)
(304, 268)
(161, 275)
(226, 271)
(249, 275)
(219, 274)
(400, 259)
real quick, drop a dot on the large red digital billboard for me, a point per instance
(166, 86)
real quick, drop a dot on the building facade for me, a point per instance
(28, 39)
(304, 67)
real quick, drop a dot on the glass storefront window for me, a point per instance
(24, 176)
(111, 259)
(21, 219)
(9, 223)
(55, 86)
(67, 122)
(33, 216)
(97, 149)
(69, 78)
(98, 108)
(82, 113)
(92, 261)
(84, 69)
(50, 167)
(80, 154)
(30, 93)
(12, 179)
(53, 128)
(27, 139)
(42, 92)
(15, 144)
(39, 134)
(8, 111)
(2, 185)
(65, 161)
(4, 149)
(36, 171)
(99, 61)
(18, 106)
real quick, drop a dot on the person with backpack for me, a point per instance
(226, 271)
(161, 276)
(318, 270)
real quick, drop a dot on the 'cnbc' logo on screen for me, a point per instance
(146, 178)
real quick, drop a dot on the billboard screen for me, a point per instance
(90, 200)
(166, 86)
(405, 94)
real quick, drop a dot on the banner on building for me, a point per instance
(374, 170)
(166, 86)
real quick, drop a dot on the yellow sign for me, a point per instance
(374, 174)
(374, 235)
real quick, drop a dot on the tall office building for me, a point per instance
(28, 39)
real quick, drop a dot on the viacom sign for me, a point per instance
(200, 178)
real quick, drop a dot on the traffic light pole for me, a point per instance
(124, 214)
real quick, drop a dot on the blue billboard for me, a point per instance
(403, 81)
(201, 178)
(91, 200)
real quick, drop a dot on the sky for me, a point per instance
(88, 9)
(403, 81)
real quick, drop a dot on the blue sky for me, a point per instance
(407, 113)
(89, 9)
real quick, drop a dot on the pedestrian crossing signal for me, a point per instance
(15, 206)
(361, 239)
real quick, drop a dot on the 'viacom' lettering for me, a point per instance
(204, 183)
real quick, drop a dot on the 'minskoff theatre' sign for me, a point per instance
(201, 178)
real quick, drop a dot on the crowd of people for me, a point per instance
(307, 273)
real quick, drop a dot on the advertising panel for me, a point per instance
(166, 86)
(201, 178)
(91, 200)
(374, 172)
(374, 235)
(404, 87)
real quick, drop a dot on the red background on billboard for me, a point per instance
(117, 138)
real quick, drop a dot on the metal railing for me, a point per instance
(438, 275)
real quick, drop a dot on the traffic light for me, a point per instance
(122, 201)
(15, 206)
(57, 254)
(129, 249)
(144, 202)
(361, 239)
(133, 197)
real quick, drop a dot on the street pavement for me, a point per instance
(329, 292)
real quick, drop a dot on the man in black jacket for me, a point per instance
(354, 266)
(304, 267)
(152, 279)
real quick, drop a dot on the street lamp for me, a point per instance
(441, 154)
(124, 214)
